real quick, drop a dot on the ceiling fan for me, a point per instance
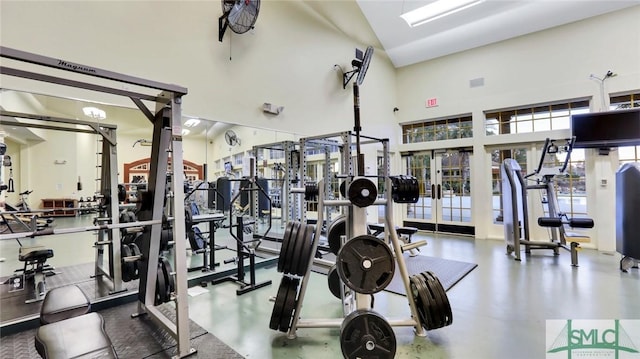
(360, 65)
(231, 138)
(238, 15)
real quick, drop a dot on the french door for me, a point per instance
(444, 177)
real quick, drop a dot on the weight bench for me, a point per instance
(63, 303)
(404, 234)
(34, 259)
(69, 330)
(78, 337)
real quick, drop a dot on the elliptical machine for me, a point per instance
(515, 209)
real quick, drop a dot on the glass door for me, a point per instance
(444, 178)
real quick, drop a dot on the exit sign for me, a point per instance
(431, 102)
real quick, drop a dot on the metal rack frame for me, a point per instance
(167, 138)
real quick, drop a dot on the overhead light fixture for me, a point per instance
(185, 132)
(192, 122)
(94, 112)
(436, 10)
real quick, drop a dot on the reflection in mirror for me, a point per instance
(55, 175)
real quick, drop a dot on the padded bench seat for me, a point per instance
(63, 303)
(376, 229)
(78, 337)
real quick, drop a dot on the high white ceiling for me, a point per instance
(490, 21)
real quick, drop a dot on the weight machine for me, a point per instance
(166, 147)
(515, 208)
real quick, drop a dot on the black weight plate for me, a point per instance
(365, 264)
(299, 243)
(161, 293)
(362, 192)
(289, 305)
(438, 318)
(343, 189)
(127, 268)
(285, 244)
(337, 228)
(366, 334)
(296, 233)
(432, 320)
(171, 282)
(281, 297)
(444, 299)
(443, 305)
(135, 251)
(333, 280)
(305, 253)
(417, 298)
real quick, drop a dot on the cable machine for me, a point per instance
(163, 194)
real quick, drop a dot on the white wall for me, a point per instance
(288, 60)
(546, 66)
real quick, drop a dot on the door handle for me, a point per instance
(433, 191)
(439, 191)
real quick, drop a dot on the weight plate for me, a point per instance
(427, 304)
(337, 228)
(276, 314)
(365, 264)
(128, 268)
(343, 189)
(285, 244)
(366, 334)
(362, 192)
(333, 280)
(289, 305)
(306, 251)
(417, 298)
(299, 243)
(298, 230)
(443, 307)
(161, 294)
(135, 251)
(169, 281)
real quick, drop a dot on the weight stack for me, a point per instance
(627, 209)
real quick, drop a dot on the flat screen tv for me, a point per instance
(606, 129)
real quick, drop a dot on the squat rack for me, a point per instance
(167, 141)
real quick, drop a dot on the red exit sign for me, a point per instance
(431, 102)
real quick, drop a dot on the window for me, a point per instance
(276, 154)
(446, 129)
(419, 166)
(571, 189)
(624, 101)
(626, 154)
(533, 118)
(497, 157)
(237, 158)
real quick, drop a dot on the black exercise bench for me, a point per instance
(376, 230)
(404, 234)
(69, 330)
(35, 269)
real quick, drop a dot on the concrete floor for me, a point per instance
(499, 310)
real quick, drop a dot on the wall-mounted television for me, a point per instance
(606, 129)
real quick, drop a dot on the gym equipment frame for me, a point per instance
(515, 208)
(290, 205)
(167, 142)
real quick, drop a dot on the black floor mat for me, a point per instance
(134, 338)
(448, 271)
